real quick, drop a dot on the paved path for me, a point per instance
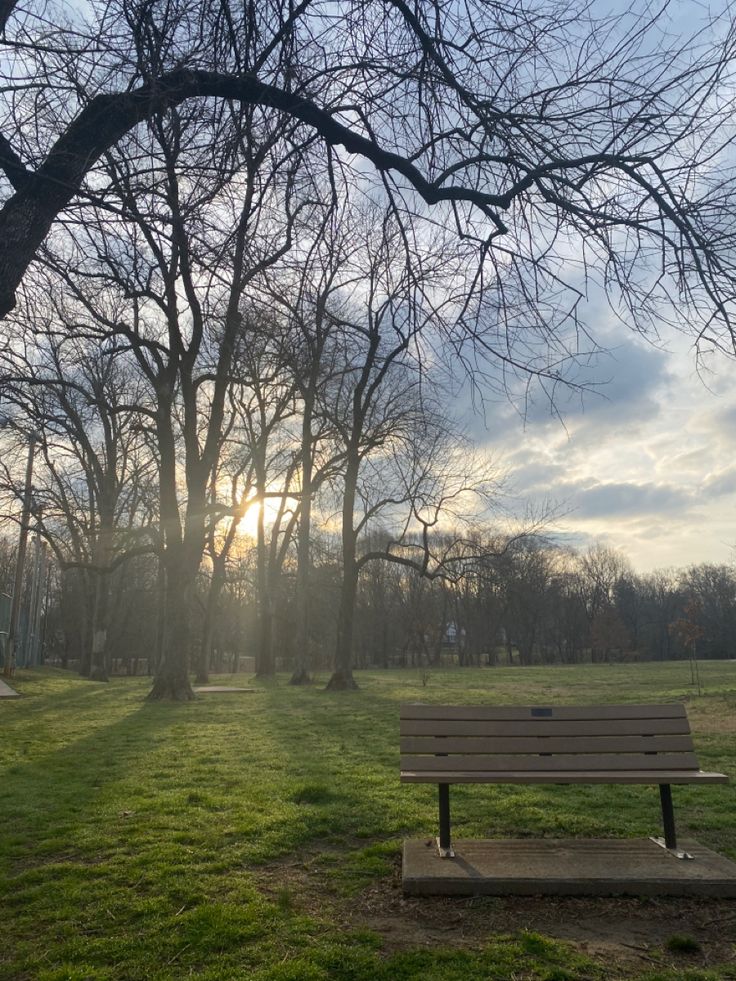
(6, 691)
(221, 689)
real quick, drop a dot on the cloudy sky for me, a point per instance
(645, 463)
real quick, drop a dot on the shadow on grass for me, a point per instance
(51, 802)
(132, 831)
(232, 782)
(348, 759)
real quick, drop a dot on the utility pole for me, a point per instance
(10, 651)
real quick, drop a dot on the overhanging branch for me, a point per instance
(27, 216)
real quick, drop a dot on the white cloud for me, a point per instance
(643, 461)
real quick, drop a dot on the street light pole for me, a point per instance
(10, 650)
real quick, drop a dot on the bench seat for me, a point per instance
(566, 744)
(564, 776)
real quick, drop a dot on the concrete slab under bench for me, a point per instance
(565, 867)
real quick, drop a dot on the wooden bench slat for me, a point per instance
(542, 727)
(675, 710)
(562, 762)
(551, 776)
(547, 744)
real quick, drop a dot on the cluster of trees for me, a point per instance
(526, 601)
(554, 605)
(311, 409)
(247, 249)
(523, 602)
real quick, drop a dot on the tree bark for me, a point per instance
(342, 678)
(172, 677)
(343, 673)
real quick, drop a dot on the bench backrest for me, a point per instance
(566, 738)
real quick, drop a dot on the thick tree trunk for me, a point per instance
(172, 677)
(342, 678)
(202, 665)
(342, 681)
(265, 667)
(157, 654)
(180, 558)
(301, 676)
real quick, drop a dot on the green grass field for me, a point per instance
(258, 836)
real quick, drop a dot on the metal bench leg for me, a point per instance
(668, 816)
(668, 820)
(444, 841)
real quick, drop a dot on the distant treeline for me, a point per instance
(522, 602)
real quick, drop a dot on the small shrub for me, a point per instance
(683, 944)
(534, 943)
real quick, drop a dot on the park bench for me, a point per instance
(627, 744)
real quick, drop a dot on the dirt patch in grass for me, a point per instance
(628, 935)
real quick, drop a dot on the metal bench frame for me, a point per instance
(627, 744)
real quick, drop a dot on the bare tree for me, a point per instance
(266, 404)
(92, 472)
(527, 130)
(602, 569)
(219, 548)
(309, 297)
(163, 271)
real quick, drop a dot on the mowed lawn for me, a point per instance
(258, 836)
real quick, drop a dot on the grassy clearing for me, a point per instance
(240, 836)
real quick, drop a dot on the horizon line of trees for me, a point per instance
(521, 602)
